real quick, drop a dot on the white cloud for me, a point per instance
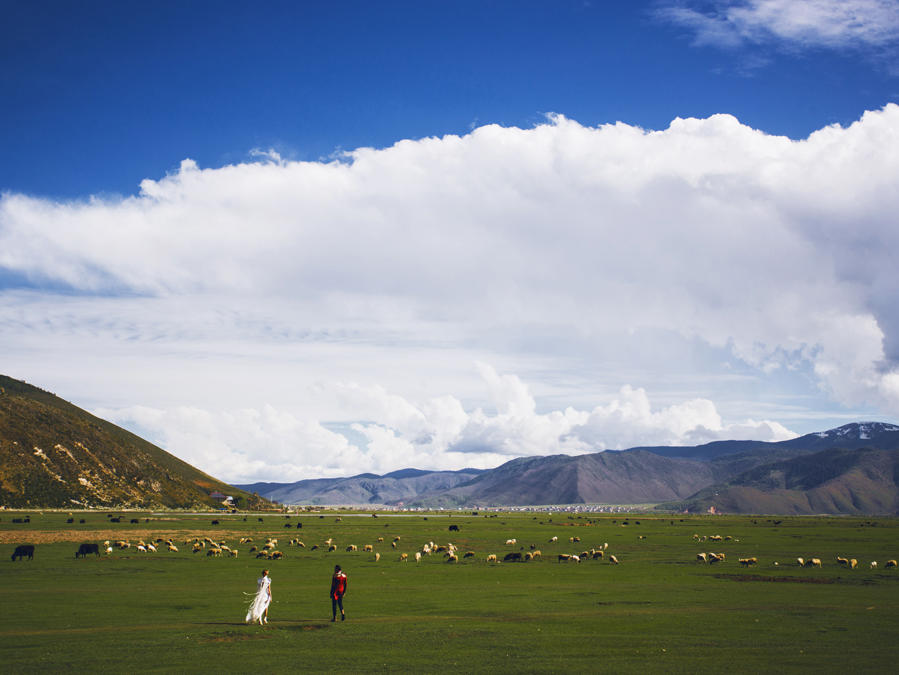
(685, 261)
(840, 24)
(250, 445)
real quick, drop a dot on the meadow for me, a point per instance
(657, 611)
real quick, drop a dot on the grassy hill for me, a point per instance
(54, 454)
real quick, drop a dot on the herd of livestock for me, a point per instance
(215, 548)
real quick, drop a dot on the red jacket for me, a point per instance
(338, 585)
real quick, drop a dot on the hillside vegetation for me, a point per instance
(54, 454)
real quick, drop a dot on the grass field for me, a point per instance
(657, 611)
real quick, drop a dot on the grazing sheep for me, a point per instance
(404, 557)
(613, 560)
(702, 557)
(491, 558)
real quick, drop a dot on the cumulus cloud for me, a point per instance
(251, 445)
(553, 252)
(836, 24)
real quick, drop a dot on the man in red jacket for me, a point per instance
(338, 590)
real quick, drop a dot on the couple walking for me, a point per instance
(258, 611)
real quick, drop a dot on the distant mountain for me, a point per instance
(834, 481)
(366, 488)
(647, 475)
(54, 454)
(843, 470)
(604, 477)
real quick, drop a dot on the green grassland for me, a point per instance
(657, 611)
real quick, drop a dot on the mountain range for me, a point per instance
(54, 454)
(853, 469)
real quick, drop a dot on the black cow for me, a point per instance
(135, 521)
(453, 528)
(515, 556)
(215, 522)
(85, 549)
(22, 551)
(115, 520)
(70, 520)
(299, 526)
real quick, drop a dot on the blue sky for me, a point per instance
(324, 238)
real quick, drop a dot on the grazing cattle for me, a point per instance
(380, 539)
(800, 562)
(702, 557)
(575, 558)
(393, 544)
(511, 542)
(115, 520)
(277, 555)
(217, 552)
(172, 548)
(404, 557)
(27, 550)
(853, 563)
(746, 562)
(842, 561)
(451, 558)
(890, 563)
(553, 540)
(453, 528)
(515, 556)
(536, 554)
(215, 522)
(134, 521)
(491, 558)
(368, 548)
(332, 547)
(418, 556)
(85, 549)
(564, 557)
(70, 520)
(873, 564)
(468, 554)
(351, 548)
(813, 562)
(613, 560)
(377, 557)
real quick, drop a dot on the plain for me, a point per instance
(658, 610)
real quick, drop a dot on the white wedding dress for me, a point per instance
(260, 601)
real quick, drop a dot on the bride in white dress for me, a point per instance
(258, 610)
